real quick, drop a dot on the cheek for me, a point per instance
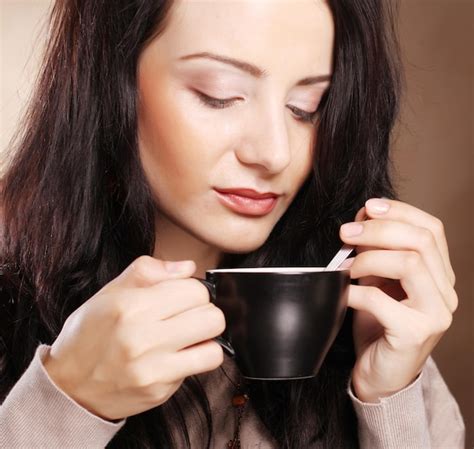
(172, 147)
(304, 163)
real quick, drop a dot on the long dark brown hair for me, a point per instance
(77, 208)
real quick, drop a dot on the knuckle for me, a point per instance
(120, 312)
(127, 348)
(217, 320)
(372, 294)
(209, 357)
(199, 291)
(361, 258)
(426, 238)
(454, 301)
(452, 278)
(141, 263)
(438, 226)
(158, 394)
(135, 376)
(215, 355)
(162, 377)
(412, 261)
(123, 309)
(141, 267)
(444, 323)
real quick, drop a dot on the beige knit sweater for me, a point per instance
(37, 414)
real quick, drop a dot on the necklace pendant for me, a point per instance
(239, 399)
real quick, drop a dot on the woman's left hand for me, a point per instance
(405, 298)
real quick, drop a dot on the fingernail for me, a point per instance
(377, 206)
(177, 267)
(351, 229)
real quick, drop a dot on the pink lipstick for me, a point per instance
(247, 201)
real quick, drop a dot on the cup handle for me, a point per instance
(226, 346)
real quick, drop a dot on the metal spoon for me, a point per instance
(340, 257)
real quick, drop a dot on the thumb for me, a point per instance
(146, 271)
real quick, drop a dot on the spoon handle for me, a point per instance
(340, 257)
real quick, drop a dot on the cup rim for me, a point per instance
(276, 270)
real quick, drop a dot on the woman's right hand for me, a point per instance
(129, 347)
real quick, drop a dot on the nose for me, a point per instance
(266, 142)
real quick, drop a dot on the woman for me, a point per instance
(145, 115)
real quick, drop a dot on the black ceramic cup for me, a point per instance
(280, 322)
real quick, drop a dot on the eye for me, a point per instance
(216, 103)
(311, 117)
(304, 116)
(221, 103)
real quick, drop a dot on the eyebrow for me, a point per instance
(255, 71)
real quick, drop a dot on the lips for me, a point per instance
(247, 201)
(249, 193)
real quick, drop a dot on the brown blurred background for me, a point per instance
(433, 144)
(433, 152)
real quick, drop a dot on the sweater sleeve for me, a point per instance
(37, 414)
(424, 415)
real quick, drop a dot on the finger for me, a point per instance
(181, 331)
(388, 312)
(368, 280)
(414, 276)
(165, 299)
(402, 236)
(390, 286)
(402, 325)
(155, 367)
(192, 327)
(146, 271)
(362, 216)
(197, 359)
(190, 294)
(398, 211)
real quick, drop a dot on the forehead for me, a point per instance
(288, 35)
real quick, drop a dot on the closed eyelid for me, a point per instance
(223, 80)
(309, 97)
(224, 103)
(218, 87)
(224, 97)
(233, 98)
(308, 105)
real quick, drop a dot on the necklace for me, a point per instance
(239, 401)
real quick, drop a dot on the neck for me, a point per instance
(174, 243)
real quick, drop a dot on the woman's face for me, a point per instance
(257, 136)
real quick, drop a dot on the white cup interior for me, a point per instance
(289, 270)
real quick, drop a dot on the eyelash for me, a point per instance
(218, 103)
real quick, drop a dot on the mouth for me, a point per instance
(247, 201)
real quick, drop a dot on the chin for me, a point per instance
(235, 237)
(231, 249)
(239, 245)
